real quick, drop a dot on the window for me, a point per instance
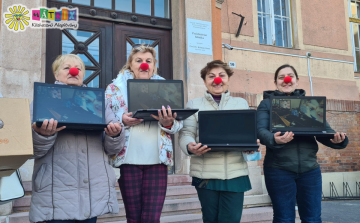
(354, 14)
(157, 8)
(274, 21)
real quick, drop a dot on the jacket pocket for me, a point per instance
(39, 177)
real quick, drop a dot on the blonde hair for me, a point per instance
(61, 58)
(144, 49)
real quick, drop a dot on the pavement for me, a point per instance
(340, 211)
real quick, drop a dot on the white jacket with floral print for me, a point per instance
(116, 106)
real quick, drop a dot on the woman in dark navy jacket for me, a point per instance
(291, 171)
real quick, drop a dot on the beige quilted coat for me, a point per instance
(72, 178)
(212, 165)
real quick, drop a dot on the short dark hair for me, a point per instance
(213, 64)
(282, 67)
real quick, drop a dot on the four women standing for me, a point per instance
(143, 150)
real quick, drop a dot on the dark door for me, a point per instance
(126, 36)
(92, 42)
(104, 46)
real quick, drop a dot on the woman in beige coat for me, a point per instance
(220, 178)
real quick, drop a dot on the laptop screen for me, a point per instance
(298, 113)
(152, 94)
(68, 104)
(227, 127)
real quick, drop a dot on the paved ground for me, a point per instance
(343, 211)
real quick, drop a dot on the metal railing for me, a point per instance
(347, 193)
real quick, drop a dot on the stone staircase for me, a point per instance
(181, 205)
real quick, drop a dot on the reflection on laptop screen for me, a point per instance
(153, 95)
(69, 105)
(304, 113)
(232, 128)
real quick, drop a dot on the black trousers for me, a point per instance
(221, 206)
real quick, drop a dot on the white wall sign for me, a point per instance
(232, 64)
(199, 36)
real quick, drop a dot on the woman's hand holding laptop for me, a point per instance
(129, 121)
(338, 138)
(48, 127)
(166, 118)
(252, 151)
(197, 149)
(282, 139)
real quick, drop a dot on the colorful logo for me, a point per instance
(17, 20)
(62, 18)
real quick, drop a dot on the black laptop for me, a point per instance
(72, 106)
(146, 97)
(305, 115)
(228, 130)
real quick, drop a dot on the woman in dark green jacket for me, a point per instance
(291, 171)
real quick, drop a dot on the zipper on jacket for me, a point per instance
(225, 164)
(88, 168)
(298, 150)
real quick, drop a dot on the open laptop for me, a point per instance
(228, 130)
(146, 97)
(303, 115)
(72, 106)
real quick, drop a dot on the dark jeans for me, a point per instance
(285, 188)
(220, 206)
(91, 220)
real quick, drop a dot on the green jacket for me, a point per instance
(298, 155)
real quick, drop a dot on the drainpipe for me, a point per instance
(308, 55)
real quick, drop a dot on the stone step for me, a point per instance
(184, 218)
(173, 180)
(172, 192)
(171, 207)
(250, 215)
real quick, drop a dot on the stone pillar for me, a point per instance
(187, 66)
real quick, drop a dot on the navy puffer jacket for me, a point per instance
(298, 155)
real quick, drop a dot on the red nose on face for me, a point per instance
(217, 80)
(144, 66)
(73, 71)
(287, 79)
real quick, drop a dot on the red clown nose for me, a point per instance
(217, 80)
(144, 66)
(73, 71)
(287, 79)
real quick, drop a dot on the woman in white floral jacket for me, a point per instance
(148, 148)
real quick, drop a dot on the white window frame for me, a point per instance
(272, 23)
(354, 48)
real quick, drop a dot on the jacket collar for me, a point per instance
(121, 80)
(297, 92)
(224, 98)
(61, 83)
